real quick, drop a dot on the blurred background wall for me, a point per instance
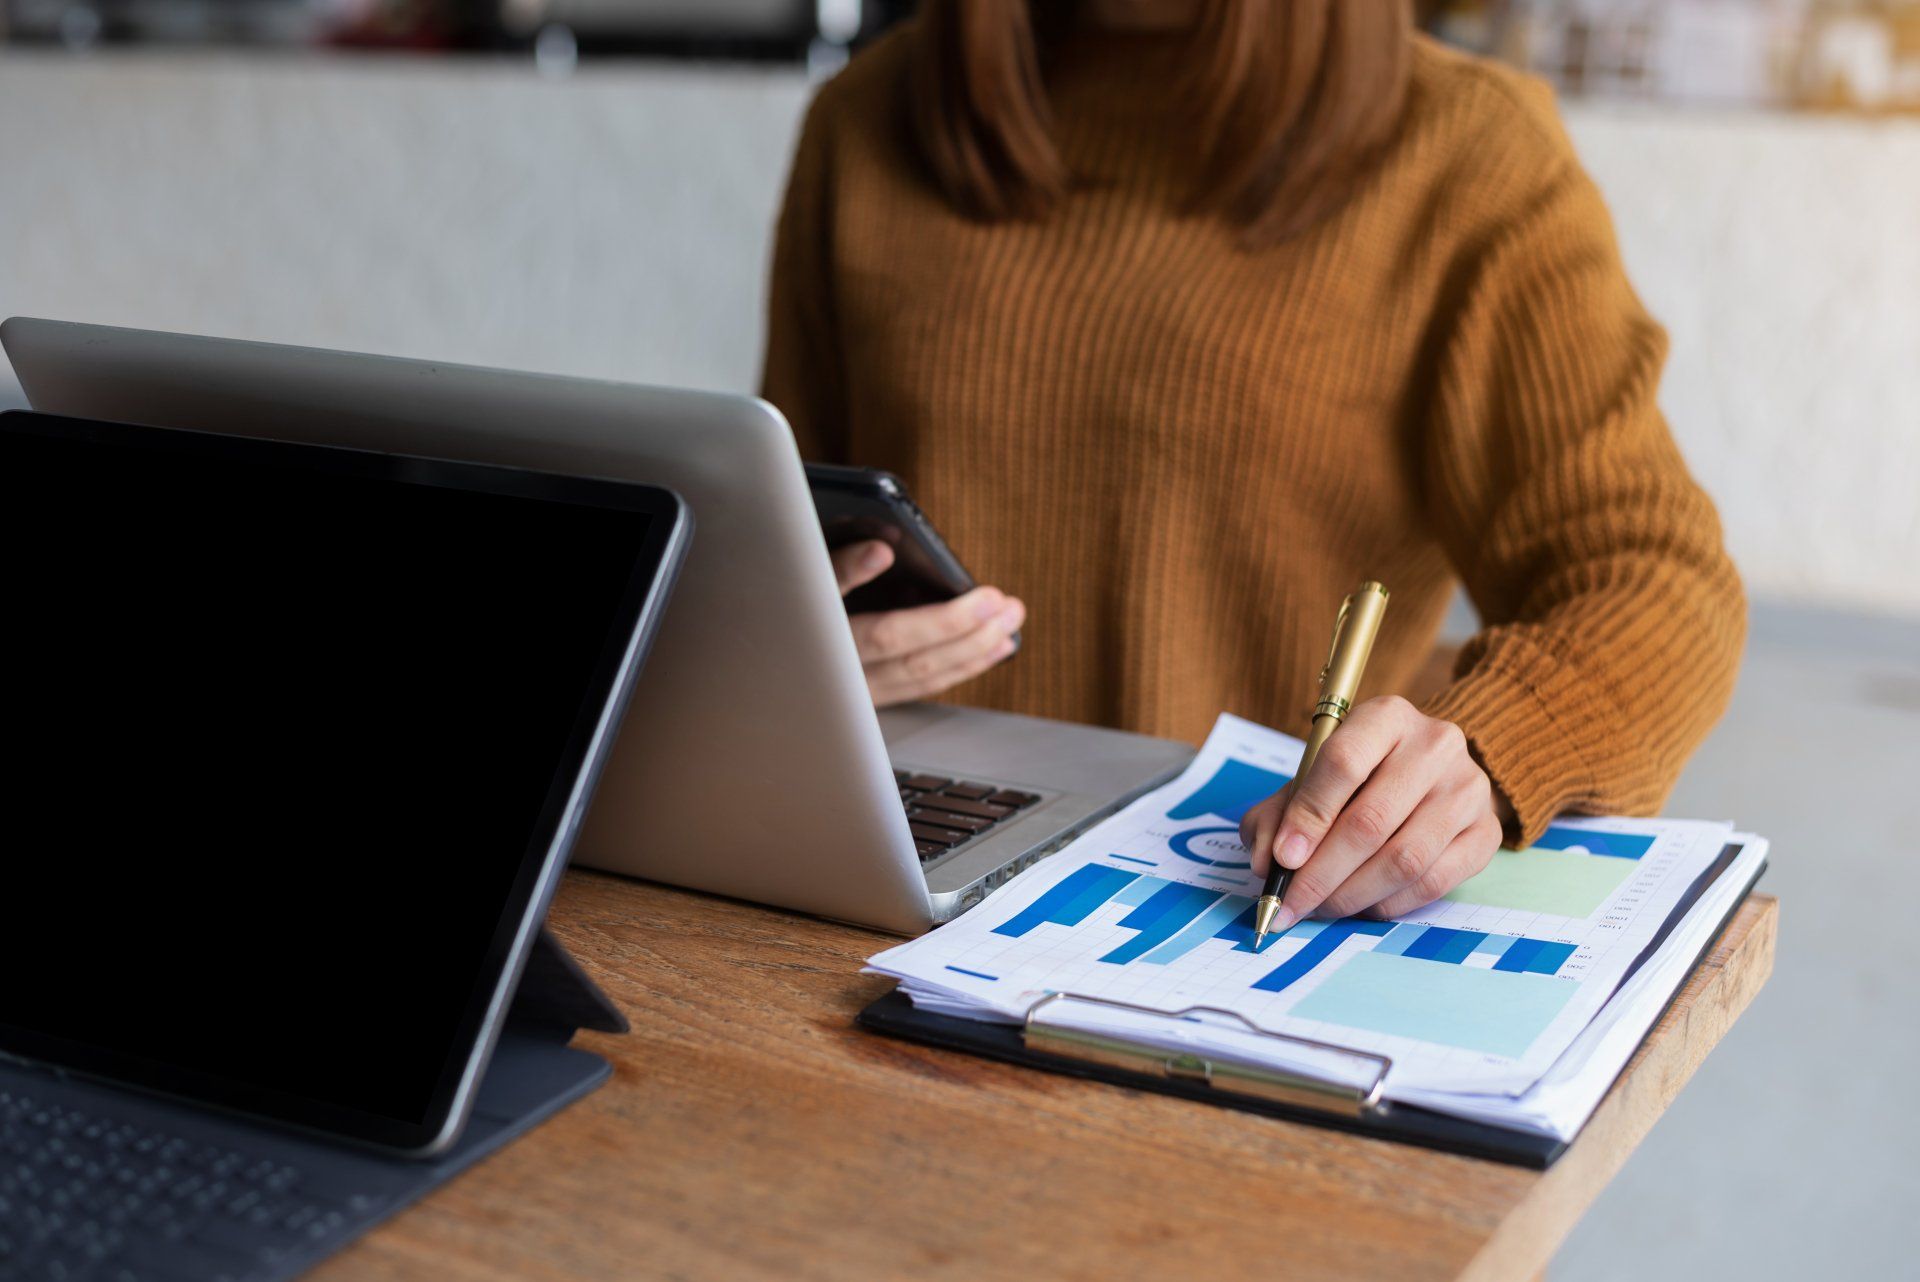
(615, 222)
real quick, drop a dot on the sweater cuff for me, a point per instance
(1531, 760)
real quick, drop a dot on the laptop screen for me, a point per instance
(290, 732)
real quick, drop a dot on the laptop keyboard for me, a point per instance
(944, 814)
(84, 1195)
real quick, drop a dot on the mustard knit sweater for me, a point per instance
(1182, 454)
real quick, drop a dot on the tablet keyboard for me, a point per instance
(85, 1195)
(944, 814)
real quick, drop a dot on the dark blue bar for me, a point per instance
(1443, 945)
(1429, 943)
(1235, 788)
(1171, 910)
(1461, 946)
(1069, 902)
(977, 974)
(1317, 950)
(1517, 957)
(1240, 931)
(1548, 959)
(1621, 845)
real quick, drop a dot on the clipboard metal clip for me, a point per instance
(1298, 1090)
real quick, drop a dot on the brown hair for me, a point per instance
(1292, 98)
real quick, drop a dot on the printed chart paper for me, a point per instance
(1479, 992)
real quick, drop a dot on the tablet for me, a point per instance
(299, 739)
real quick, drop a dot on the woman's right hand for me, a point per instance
(917, 653)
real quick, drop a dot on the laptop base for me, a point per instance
(1078, 774)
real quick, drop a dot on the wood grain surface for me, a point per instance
(750, 1131)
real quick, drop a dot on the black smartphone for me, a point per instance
(860, 503)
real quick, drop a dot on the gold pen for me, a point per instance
(1353, 632)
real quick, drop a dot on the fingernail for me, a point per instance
(873, 556)
(1294, 850)
(988, 605)
(1012, 616)
(1002, 650)
(1284, 919)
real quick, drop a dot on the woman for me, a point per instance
(1183, 317)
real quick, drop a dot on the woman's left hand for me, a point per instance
(1393, 815)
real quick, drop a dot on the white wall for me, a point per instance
(1783, 253)
(615, 224)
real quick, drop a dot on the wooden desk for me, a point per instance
(750, 1131)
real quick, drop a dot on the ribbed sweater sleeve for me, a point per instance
(802, 373)
(1613, 618)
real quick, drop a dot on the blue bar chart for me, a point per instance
(1441, 944)
(1324, 938)
(1172, 918)
(1170, 910)
(1071, 901)
(1153, 910)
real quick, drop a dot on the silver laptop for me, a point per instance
(751, 763)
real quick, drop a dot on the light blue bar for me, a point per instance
(1396, 942)
(1158, 920)
(1139, 892)
(1494, 1011)
(1205, 927)
(1308, 928)
(1496, 944)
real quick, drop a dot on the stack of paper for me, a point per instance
(1515, 1001)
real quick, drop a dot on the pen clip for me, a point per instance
(1339, 626)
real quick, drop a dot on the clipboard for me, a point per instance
(1358, 1110)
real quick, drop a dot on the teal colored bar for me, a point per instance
(1458, 947)
(1493, 1011)
(1495, 944)
(1209, 924)
(1138, 892)
(1397, 940)
(1549, 958)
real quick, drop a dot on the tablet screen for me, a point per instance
(290, 730)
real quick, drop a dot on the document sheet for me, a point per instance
(1471, 1004)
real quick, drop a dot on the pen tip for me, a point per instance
(1263, 919)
